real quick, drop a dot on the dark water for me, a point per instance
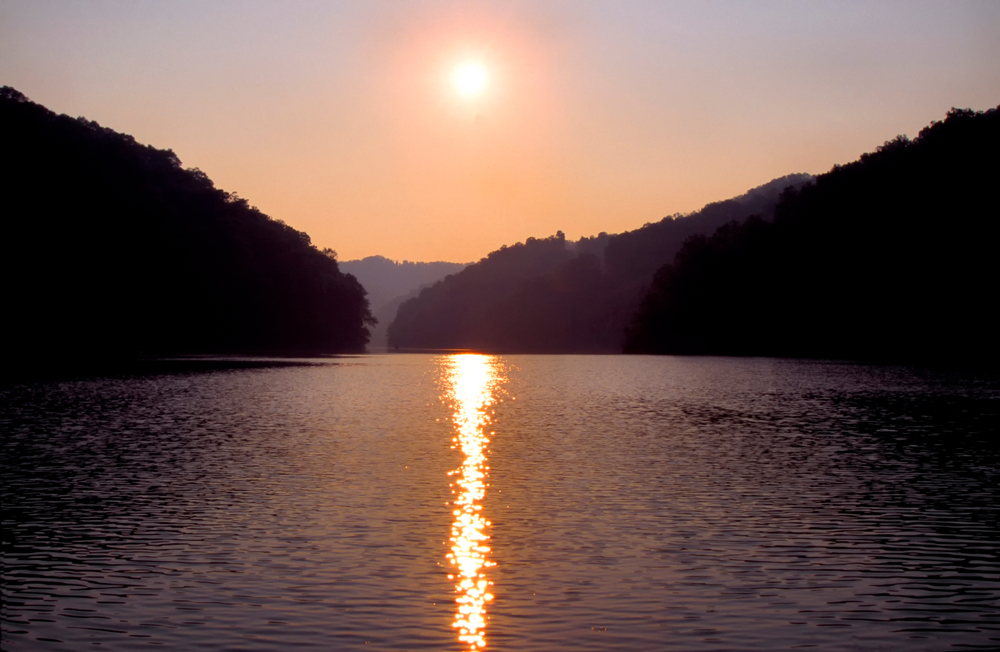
(627, 503)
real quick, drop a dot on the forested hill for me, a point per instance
(389, 283)
(555, 296)
(111, 249)
(891, 257)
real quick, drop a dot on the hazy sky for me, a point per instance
(342, 118)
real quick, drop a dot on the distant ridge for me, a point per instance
(556, 296)
(389, 283)
(112, 250)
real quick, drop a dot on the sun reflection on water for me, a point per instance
(471, 383)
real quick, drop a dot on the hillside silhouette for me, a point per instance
(891, 257)
(389, 283)
(112, 249)
(552, 295)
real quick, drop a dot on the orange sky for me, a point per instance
(341, 118)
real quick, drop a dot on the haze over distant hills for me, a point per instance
(389, 283)
(555, 296)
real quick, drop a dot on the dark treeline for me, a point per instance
(891, 257)
(112, 249)
(555, 296)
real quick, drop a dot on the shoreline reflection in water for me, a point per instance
(470, 382)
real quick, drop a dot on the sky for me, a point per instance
(344, 119)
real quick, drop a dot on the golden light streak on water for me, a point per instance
(471, 382)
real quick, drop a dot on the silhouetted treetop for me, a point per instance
(551, 295)
(892, 257)
(112, 248)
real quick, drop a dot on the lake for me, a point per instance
(457, 502)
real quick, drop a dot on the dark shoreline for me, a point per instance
(155, 365)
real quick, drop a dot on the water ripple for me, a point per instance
(634, 503)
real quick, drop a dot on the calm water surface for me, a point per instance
(410, 502)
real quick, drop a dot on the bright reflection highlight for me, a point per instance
(471, 381)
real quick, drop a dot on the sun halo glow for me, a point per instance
(470, 78)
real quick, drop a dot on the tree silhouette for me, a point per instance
(554, 296)
(889, 257)
(113, 249)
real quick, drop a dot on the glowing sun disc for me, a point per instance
(470, 78)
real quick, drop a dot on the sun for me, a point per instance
(470, 78)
